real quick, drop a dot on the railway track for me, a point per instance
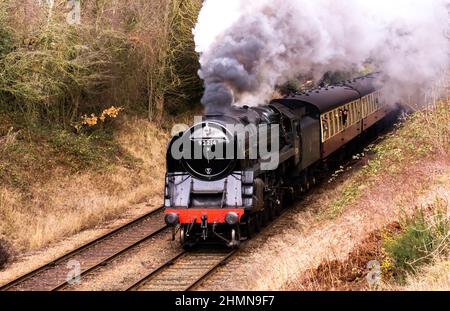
(56, 275)
(185, 271)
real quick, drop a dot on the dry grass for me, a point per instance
(435, 276)
(422, 137)
(133, 54)
(409, 252)
(409, 168)
(68, 203)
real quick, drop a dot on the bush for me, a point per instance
(55, 78)
(138, 55)
(423, 238)
(96, 150)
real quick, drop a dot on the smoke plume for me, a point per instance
(248, 47)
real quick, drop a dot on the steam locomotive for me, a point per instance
(215, 195)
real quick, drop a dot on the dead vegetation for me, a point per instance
(352, 273)
(391, 257)
(425, 236)
(421, 137)
(134, 54)
(61, 204)
(434, 276)
(76, 144)
(410, 252)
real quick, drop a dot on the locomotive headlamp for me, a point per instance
(171, 219)
(232, 218)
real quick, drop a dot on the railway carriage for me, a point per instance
(227, 198)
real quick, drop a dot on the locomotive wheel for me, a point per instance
(185, 243)
(265, 217)
(312, 179)
(305, 182)
(258, 222)
(182, 235)
(279, 207)
(235, 238)
(269, 209)
(273, 211)
(251, 226)
(307, 185)
(289, 196)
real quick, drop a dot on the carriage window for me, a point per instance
(337, 116)
(364, 107)
(360, 109)
(337, 119)
(345, 116)
(325, 127)
(331, 123)
(372, 103)
(367, 105)
(350, 114)
(355, 117)
(377, 100)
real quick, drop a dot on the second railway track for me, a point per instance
(185, 271)
(91, 256)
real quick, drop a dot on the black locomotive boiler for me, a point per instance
(211, 198)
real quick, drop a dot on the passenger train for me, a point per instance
(228, 199)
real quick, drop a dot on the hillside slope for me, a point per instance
(327, 240)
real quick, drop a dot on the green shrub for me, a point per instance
(423, 237)
(96, 150)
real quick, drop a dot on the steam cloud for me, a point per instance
(248, 47)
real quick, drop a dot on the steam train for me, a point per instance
(213, 197)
